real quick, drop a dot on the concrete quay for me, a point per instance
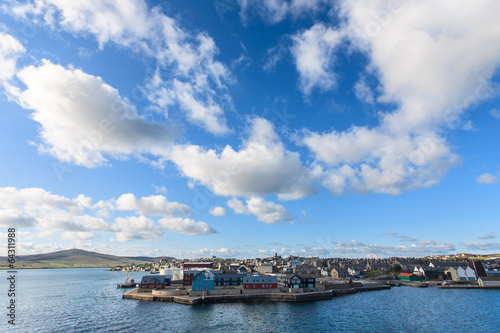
(255, 297)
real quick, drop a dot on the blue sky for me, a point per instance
(242, 128)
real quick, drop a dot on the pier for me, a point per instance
(256, 297)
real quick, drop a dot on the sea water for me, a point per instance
(87, 300)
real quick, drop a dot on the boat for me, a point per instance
(127, 284)
(154, 271)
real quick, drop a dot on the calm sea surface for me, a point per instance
(87, 300)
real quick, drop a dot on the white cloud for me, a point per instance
(83, 119)
(495, 113)
(80, 220)
(78, 235)
(10, 50)
(195, 78)
(358, 249)
(262, 166)
(185, 226)
(136, 228)
(481, 246)
(154, 205)
(218, 211)
(363, 159)
(264, 211)
(274, 11)
(363, 92)
(15, 219)
(441, 71)
(487, 236)
(313, 51)
(442, 66)
(487, 178)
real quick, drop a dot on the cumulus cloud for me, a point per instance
(10, 50)
(363, 92)
(80, 220)
(185, 226)
(136, 228)
(313, 51)
(262, 166)
(14, 218)
(218, 211)
(264, 211)
(487, 178)
(195, 79)
(84, 119)
(154, 205)
(408, 149)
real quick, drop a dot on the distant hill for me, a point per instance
(76, 258)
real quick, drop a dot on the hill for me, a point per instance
(76, 258)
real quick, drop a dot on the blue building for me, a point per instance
(203, 280)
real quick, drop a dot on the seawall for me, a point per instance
(257, 297)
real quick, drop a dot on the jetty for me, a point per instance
(330, 292)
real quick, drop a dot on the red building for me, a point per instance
(260, 282)
(187, 279)
(197, 265)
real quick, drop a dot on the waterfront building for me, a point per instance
(461, 274)
(411, 277)
(478, 268)
(203, 280)
(150, 282)
(260, 282)
(222, 280)
(489, 281)
(299, 281)
(198, 265)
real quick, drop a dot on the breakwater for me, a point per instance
(256, 297)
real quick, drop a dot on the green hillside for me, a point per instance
(75, 258)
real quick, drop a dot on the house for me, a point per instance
(325, 272)
(305, 269)
(411, 277)
(243, 269)
(203, 280)
(260, 282)
(155, 281)
(300, 281)
(266, 269)
(378, 266)
(294, 262)
(222, 280)
(339, 273)
(489, 281)
(353, 271)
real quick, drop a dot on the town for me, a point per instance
(299, 278)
